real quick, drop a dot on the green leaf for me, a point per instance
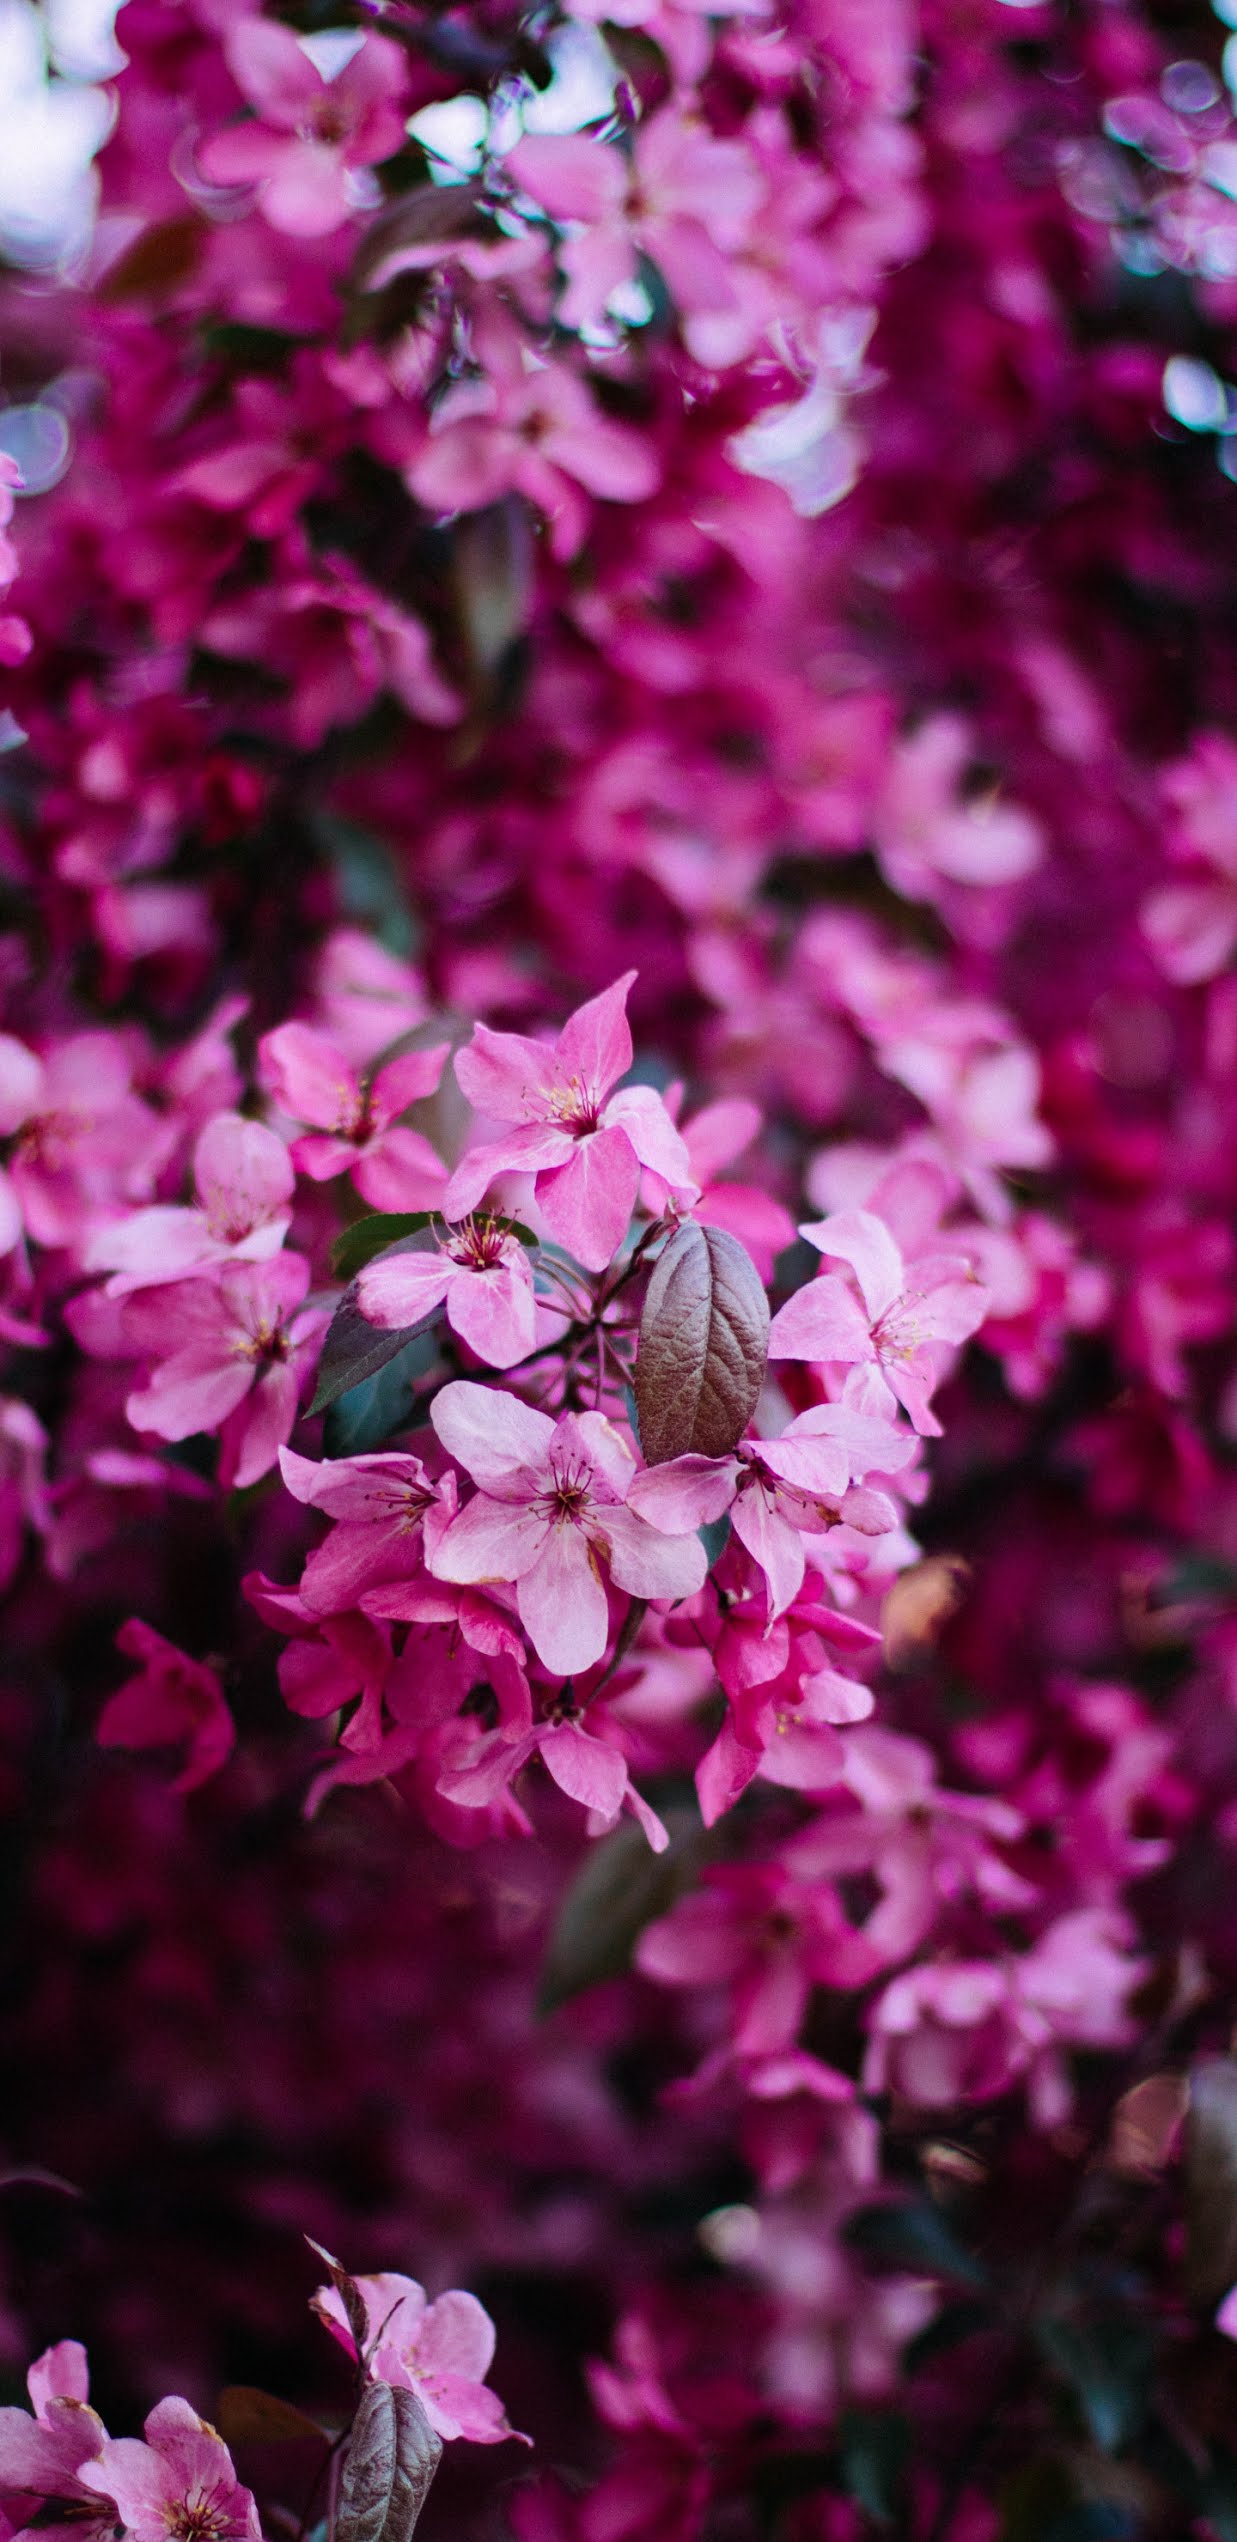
(367, 1415)
(372, 1235)
(1041, 2504)
(1107, 2366)
(621, 1886)
(954, 2323)
(369, 881)
(873, 2447)
(715, 1536)
(913, 2235)
(355, 1349)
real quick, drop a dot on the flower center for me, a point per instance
(566, 1503)
(478, 1243)
(576, 1106)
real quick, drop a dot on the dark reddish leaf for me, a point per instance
(162, 256)
(403, 239)
(704, 1339)
(244, 2415)
(349, 2294)
(393, 2454)
(1211, 2180)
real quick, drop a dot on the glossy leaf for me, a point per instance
(704, 1337)
(355, 1349)
(621, 1886)
(393, 2454)
(381, 1232)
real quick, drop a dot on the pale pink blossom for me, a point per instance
(85, 1142)
(237, 1349)
(442, 2351)
(1191, 925)
(584, 1144)
(927, 829)
(778, 1490)
(243, 1178)
(683, 198)
(356, 1118)
(42, 2457)
(177, 2485)
(713, 1138)
(309, 133)
(890, 1314)
(474, 1775)
(531, 428)
(480, 1275)
(379, 1504)
(550, 1515)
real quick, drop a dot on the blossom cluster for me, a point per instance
(618, 898)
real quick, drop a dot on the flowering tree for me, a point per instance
(618, 1513)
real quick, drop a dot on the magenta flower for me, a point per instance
(441, 2351)
(549, 1513)
(310, 132)
(180, 2485)
(584, 1144)
(240, 1346)
(905, 1310)
(356, 1120)
(173, 1701)
(243, 1177)
(482, 1275)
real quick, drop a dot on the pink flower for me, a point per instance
(927, 831)
(174, 1701)
(243, 1177)
(178, 2486)
(713, 1138)
(1192, 924)
(532, 428)
(585, 1151)
(482, 1275)
(310, 131)
(778, 1490)
(549, 1513)
(684, 198)
(441, 2351)
(85, 1142)
(356, 1123)
(587, 1768)
(239, 1350)
(379, 1504)
(41, 2458)
(905, 1310)
(770, 1937)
